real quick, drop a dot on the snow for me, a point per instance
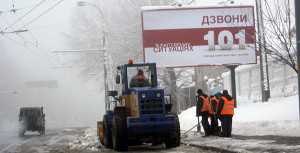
(88, 141)
(277, 113)
(257, 127)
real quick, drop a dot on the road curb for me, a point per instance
(209, 148)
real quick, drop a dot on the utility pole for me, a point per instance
(233, 83)
(104, 35)
(264, 71)
(297, 15)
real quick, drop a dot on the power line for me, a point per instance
(30, 49)
(20, 18)
(45, 12)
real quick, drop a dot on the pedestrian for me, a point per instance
(214, 102)
(226, 112)
(202, 108)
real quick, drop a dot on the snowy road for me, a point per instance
(74, 140)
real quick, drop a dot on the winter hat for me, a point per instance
(225, 92)
(199, 91)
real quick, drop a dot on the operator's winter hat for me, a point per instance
(199, 91)
(140, 72)
(225, 92)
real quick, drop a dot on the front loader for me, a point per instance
(137, 115)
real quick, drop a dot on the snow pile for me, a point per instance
(280, 114)
(257, 127)
(188, 119)
(88, 141)
(277, 109)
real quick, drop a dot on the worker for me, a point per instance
(203, 110)
(139, 80)
(226, 112)
(214, 102)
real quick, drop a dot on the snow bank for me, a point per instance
(279, 116)
(188, 119)
(278, 109)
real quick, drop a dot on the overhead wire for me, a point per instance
(30, 22)
(23, 16)
(34, 51)
(45, 12)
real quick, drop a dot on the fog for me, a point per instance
(31, 75)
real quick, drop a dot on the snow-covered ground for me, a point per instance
(257, 127)
(279, 116)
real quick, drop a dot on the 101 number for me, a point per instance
(226, 45)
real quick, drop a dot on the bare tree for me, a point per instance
(174, 80)
(124, 40)
(111, 24)
(280, 32)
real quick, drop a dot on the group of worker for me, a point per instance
(216, 107)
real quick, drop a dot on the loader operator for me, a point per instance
(139, 80)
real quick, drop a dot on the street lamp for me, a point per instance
(84, 3)
(226, 2)
(14, 32)
(103, 24)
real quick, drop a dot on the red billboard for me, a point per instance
(175, 37)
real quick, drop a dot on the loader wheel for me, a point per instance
(173, 140)
(119, 129)
(107, 133)
(22, 128)
(42, 131)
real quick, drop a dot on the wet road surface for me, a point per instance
(76, 140)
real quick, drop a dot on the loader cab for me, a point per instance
(130, 76)
(141, 113)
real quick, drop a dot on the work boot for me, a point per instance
(206, 134)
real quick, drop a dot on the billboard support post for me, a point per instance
(233, 83)
(297, 16)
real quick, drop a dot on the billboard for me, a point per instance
(176, 37)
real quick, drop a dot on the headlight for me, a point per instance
(158, 95)
(143, 95)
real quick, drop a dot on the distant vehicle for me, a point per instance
(31, 119)
(138, 114)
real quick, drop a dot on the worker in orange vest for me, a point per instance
(203, 109)
(214, 103)
(226, 112)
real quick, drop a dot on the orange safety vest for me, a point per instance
(211, 101)
(228, 108)
(205, 106)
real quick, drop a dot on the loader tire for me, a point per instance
(173, 140)
(42, 131)
(119, 129)
(107, 133)
(22, 128)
